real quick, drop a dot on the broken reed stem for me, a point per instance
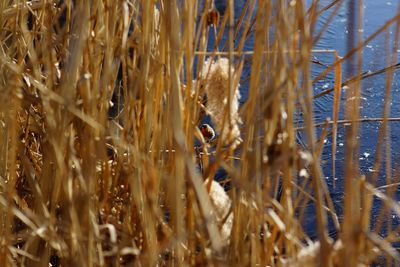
(351, 121)
(239, 53)
(365, 75)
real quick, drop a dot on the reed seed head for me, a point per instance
(215, 77)
(213, 18)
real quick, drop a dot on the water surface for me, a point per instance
(376, 13)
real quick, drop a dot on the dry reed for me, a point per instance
(98, 126)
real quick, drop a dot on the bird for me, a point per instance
(208, 132)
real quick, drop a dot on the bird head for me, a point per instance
(208, 132)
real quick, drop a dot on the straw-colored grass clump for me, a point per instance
(102, 157)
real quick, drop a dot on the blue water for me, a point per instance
(376, 12)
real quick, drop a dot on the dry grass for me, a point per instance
(81, 188)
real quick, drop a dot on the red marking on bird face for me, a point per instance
(206, 132)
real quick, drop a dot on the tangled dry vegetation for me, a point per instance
(99, 163)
